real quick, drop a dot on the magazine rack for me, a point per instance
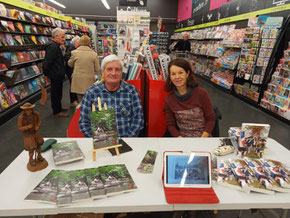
(108, 147)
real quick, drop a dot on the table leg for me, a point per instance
(94, 156)
(240, 214)
(284, 213)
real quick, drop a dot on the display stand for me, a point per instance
(105, 148)
(155, 117)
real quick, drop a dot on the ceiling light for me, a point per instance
(105, 3)
(141, 2)
(57, 3)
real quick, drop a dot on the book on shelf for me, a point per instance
(18, 40)
(66, 152)
(246, 177)
(253, 138)
(46, 190)
(11, 26)
(104, 128)
(3, 11)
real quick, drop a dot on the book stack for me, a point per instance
(62, 188)
(258, 175)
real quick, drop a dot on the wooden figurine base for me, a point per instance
(39, 165)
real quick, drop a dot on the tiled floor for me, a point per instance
(234, 112)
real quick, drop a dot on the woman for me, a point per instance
(85, 63)
(188, 109)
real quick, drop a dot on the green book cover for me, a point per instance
(95, 183)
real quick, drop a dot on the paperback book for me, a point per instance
(117, 179)
(246, 177)
(278, 171)
(79, 186)
(264, 175)
(46, 190)
(253, 138)
(147, 164)
(226, 177)
(104, 128)
(66, 152)
(64, 191)
(95, 183)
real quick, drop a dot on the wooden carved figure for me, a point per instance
(29, 123)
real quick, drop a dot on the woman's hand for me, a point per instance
(204, 135)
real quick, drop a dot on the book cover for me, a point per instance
(20, 56)
(18, 40)
(33, 39)
(19, 27)
(104, 128)
(278, 171)
(35, 85)
(226, 177)
(11, 26)
(27, 40)
(66, 152)
(64, 192)
(95, 183)
(34, 29)
(29, 87)
(21, 16)
(29, 17)
(14, 13)
(27, 28)
(46, 190)
(3, 102)
(253, 138)
(3, 11)
(4, 25)
(9, 39)
(264, 175)
(3, 40)
(23, 92)
(246, 177)
(117, 179)
(79, 186)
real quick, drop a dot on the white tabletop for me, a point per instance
(16, 182)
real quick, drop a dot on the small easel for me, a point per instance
(105, 148)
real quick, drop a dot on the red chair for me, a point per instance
(73, 127)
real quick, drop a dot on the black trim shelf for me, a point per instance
(33, 34)
(12, 48)
(27, 62)
(14, 109)
(23, 80)
(24, 21)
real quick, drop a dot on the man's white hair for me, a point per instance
(56, 32)
(74, 40)
(111, 58)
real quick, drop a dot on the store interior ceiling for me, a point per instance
(94, 10)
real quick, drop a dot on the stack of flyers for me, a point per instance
(147, 164)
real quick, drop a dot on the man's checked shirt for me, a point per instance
(126, 103)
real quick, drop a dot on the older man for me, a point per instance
(183, 45)
(54, 68)
(119, 95)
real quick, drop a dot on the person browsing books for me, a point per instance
(183, 45)
(74, 44)
(85, 63)
(117, 94)
(188, 108)
(53, 67)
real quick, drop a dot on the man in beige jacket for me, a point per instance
(85, 63)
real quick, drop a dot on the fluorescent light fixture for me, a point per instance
(105, 3)
(57, 3)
